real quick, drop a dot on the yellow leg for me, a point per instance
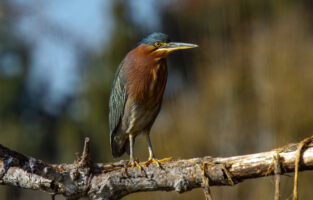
(132, 162)
(151, 155)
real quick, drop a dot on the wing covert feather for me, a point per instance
(118, 99)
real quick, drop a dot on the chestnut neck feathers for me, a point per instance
(146, 73)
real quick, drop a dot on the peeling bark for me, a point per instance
(110, 180)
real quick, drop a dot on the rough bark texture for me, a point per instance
(112, 181)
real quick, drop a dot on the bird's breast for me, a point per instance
(145, 88)
(146, 84)
(154, 81)
(157, 83)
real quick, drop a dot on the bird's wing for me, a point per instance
(117, 100)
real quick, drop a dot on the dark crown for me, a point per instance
(155, 37)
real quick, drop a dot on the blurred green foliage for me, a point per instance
(248, 88)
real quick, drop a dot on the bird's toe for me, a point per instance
(133, 163)
(156, 161)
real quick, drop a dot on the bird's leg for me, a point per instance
(151, 155)
(132, 162)
(152, 159)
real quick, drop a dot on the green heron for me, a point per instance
(137, 93)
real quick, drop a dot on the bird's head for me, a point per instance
(159, 45)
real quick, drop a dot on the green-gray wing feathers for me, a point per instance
(117, 101)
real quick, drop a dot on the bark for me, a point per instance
(111, 181)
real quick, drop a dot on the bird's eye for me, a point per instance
(157, 44)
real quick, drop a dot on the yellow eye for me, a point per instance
(157, 44)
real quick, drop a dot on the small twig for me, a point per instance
(230, 180)
(277, 171)
(205, 182)
(297, 163)
(77, 157)
(85, 158)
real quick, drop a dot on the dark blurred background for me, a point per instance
(247, 88)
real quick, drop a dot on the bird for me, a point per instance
(137, 92)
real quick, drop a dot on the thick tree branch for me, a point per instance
(111, 181)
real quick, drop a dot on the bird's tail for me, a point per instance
(119, 146)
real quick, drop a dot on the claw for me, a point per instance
(152, 160)
(134, 163)
(156, 161)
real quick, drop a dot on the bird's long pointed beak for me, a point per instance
(173, 46)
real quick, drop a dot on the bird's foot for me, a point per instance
(133, 163)
(165, 159)
(156, 161)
